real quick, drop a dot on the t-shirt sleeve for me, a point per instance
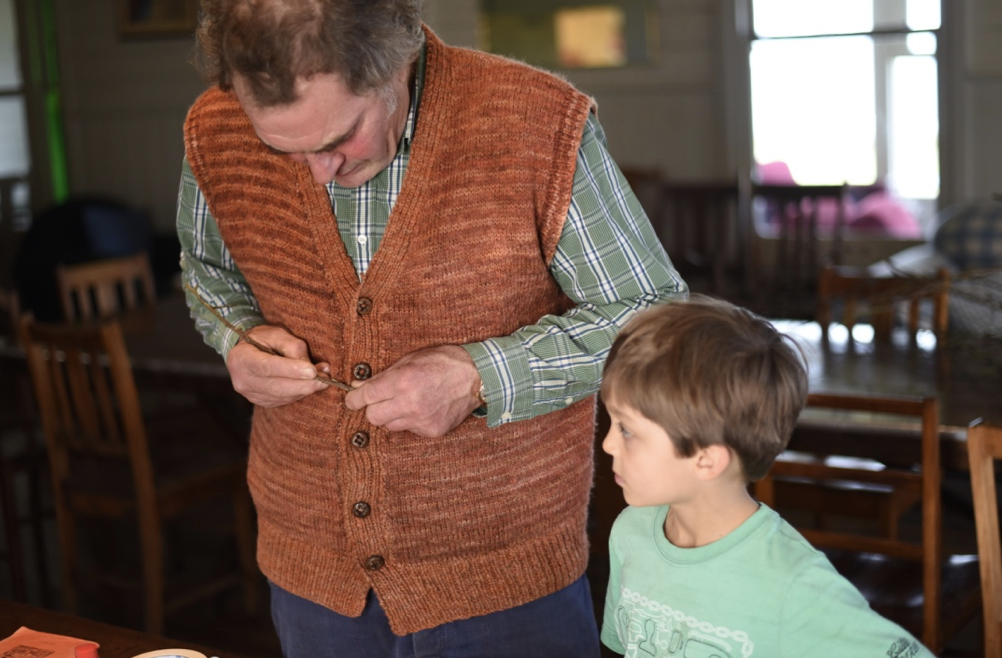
(824, 614)
(610, 633)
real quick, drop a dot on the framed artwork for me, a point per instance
(157, 18)
(571, 34)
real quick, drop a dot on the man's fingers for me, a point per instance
(269, 380)
(281, 341)
(365, 394)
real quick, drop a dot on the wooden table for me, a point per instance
(116, 642)
(963, 376)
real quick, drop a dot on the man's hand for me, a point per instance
(268, 380)
(427, 392)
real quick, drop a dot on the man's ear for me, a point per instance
(712, 460)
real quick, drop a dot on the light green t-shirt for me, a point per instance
(761, 591)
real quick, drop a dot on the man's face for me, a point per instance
(340, 136)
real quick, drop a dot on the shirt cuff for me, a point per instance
(504, 369)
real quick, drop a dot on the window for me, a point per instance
(15, 158)
(846, 91)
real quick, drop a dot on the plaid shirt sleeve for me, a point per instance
(208, 268)
(611, 263)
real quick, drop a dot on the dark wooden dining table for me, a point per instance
(963, 374)
(114, 641)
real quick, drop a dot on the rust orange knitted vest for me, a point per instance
(481, 519)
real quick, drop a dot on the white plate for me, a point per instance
(171, 653)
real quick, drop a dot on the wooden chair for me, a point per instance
(907, 579)
(984, 449)
(22, 458)
(105, 288)
(703, 234)
(880, 298)
(107, 463)
(787, 221)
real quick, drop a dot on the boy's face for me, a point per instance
(644, 459)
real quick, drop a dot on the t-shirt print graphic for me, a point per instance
(649, 629)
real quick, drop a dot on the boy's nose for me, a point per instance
(607, 443)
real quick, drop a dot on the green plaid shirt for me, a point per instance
(608, 260)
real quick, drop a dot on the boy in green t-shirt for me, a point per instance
(702, 396)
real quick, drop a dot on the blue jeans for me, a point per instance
(555, 626)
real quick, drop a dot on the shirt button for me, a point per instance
(363, 306)
(568, 401)
(374, 562)
(361, 509)
(362, 371)
(362, 239)
(506, 416)
(360, 439)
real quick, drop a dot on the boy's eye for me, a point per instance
(623, 430)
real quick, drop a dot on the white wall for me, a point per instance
(124, 102)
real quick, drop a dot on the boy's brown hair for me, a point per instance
(709, 372)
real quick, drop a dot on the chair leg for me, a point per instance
(151, 544)
(36, 484)
(12, 532)
(68, 558)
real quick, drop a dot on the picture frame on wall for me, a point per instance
(156, 18)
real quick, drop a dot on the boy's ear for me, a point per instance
(712, 460)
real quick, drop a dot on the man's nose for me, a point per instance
(323, 166)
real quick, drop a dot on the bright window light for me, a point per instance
(813, 108)
(786, 18)
(923, 14)
(913, 140)
(921, 43)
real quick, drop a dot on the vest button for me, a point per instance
(363, 306)
(360, 439)
(374, 562)
(361, 509)
(362, 371)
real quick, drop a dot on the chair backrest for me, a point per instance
(879, 298)
(924, 479)
(105, 288)
(704, 232)
(88, 402)
(984, 449)
(791, 218)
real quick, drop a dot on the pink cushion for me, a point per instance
(774, 173)
(880, 213)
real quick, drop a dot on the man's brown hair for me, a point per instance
(271, 43)
(709, 372)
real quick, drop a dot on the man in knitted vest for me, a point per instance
(445, 231)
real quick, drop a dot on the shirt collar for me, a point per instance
(419, 67)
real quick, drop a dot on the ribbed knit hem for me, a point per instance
(421, 596)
